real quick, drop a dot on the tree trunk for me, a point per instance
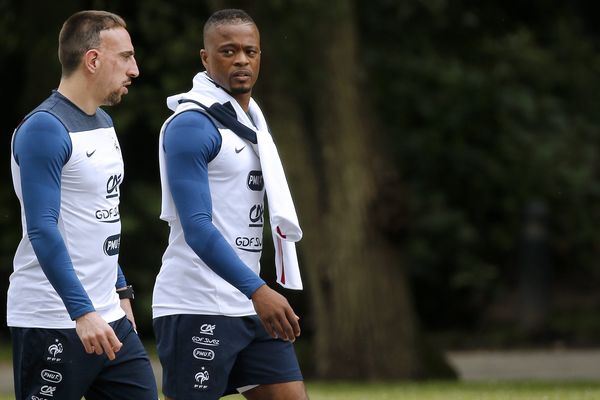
(364, 324)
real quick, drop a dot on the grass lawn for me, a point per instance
(449, 391)
(457, 391)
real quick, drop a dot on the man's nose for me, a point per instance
(133, 71)
(241, 58)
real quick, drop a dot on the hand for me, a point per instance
(126, 306)
(276, 314)
(96, 335)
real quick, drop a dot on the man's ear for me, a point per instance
(91, 61)
(203, 57)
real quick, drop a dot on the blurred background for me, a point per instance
(443, 157)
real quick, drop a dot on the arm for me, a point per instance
(121, 285)
(191, 141)
(41, 148)
(121, 281)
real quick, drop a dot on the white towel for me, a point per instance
(285, 228)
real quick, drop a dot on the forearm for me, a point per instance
(56, 264)
(212, 248)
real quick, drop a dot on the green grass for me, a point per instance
(448, 391)
(453, 391)
(456, 391)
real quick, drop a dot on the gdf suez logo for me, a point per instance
(108, 216)
(112, 245)
(255, 181)
(251, 244)
(112, 185)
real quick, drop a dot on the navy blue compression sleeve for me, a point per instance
(190, 142)
(121, 281)
(41, 148)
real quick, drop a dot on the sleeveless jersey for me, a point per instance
(185, 284)
(89, 222)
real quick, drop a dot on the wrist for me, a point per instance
(126, 292)
(255, 291)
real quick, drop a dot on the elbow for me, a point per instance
(38, 233)
(191, 239)
(42, 228)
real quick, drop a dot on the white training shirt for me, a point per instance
(185, 283)
(89, 223)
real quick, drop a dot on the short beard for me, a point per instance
(240, 90)
(113, 98)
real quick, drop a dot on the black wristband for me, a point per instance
(126, 293)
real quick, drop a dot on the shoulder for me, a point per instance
(44, 135)
(192, 119)
(192, 131)
(194, 124)
(71, 116)
(42, 120)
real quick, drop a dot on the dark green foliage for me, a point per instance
(486, 107)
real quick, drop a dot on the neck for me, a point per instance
(243, 100)
(78, 90)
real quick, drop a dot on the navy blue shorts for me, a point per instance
(52, 364)
(208, 356)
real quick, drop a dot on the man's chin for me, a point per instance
(113, 99)
(240, 89)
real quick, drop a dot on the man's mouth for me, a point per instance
(241, 75)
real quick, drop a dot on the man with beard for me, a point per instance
(219, 327)
(69, 309)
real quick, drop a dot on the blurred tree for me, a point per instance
(362, 317)
(491, 105)
(29, 70)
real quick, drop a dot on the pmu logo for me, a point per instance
(112, 185)
(255, 181)
(256, 216)
(112, 245)
(203, 354)
(51, 376)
